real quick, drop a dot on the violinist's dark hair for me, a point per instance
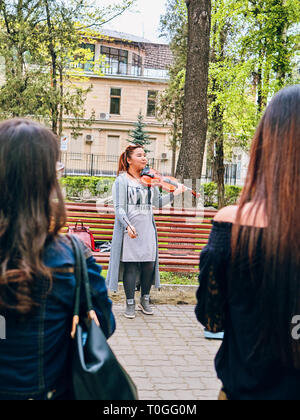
(31, 211)
(273, 186)
(123, 161)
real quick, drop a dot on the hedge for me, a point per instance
(87, 186)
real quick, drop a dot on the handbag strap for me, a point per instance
(79, 221)
(81, 275)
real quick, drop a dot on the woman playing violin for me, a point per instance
(134, 253)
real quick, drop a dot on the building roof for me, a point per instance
(157, 56)
(124, 36)
(128, 37)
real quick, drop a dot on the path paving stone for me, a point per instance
(167, 354)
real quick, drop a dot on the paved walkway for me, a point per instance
(167, 354)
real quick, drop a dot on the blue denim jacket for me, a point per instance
(34, 355)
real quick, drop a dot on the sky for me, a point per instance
(142, 20)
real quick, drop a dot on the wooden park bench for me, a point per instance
(181, 233)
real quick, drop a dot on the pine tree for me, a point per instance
(139, 136)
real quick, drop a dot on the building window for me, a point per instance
(115, 101)
(151, 104)
(116, 60)
(88, 64)
(113, 149)
(136, 69)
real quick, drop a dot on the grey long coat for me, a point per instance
(120, 198)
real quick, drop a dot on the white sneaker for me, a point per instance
(145, 306)
(130, 309)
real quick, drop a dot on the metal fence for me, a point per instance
(230, 175)
(87, 164)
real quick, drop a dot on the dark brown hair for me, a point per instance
(123, 162)
(273, 188)
(31, 211)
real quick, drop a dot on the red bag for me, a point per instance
(84, 233)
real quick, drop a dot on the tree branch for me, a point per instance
(105, 22)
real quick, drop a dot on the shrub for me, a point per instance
(210, 194)
(78, 186)
(232, 193)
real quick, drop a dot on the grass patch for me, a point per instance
(174, 278)
(179, 278)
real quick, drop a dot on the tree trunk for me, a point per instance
(174, 150)
(217, 139)
(54, 105)
(61, 106)
(195, 118)
(281, 73)
(217, 126)
(259, 88)
(219, 158)
(174, 144)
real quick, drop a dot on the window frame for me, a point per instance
(136, 65)
(115, 97)
(121, 56)
(151, 100)
(86, 66)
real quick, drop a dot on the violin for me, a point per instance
(151, 178)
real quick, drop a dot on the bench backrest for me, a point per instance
(181, 233)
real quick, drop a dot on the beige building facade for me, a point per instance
(134, 73)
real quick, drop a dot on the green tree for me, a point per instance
(43, 45)
(248, 38)
(229, 98)
(68, 30)
(271, 39)
(139, 136)
(23, 90)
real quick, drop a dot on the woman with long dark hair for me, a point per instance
(134, 253)
(37, 283)
(250, 270)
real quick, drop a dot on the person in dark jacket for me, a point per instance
(37, 282)
(250, 269)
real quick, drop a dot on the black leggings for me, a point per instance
(135, 271)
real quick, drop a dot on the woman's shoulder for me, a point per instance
(220, 234)
(59, 252)
(252, 214)
(121, 176)
(226, 214)
(121, 179)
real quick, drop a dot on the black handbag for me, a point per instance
(96, 372)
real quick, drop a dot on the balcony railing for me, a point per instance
(123, 70)
(135, 71)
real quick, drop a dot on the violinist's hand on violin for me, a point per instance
(131, 232)
(180, 189)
